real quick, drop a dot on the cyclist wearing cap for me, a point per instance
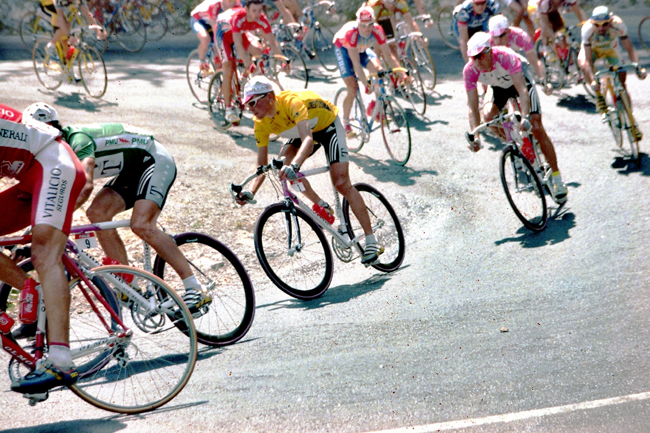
(232, 32)
(204, 21)
(518, 40)
(501, 68)
(308, 121)
(353, 43)
(142, 173)
(602, 37)
(550, 19)
(50, 178)
(472, 16)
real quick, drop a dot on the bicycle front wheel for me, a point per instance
(323, 47)
(130, 30)
(230, 314)
(151, 358)
(422, 59)
(413, 91)
(198, 81)
(613, 116)
(357, 120)
(385, 226)
(92, 71)
(156, 23)
(395, 131)
(49, 70)
(32, 28)
(293, 252)
(523, 189)
(445, 20)
(627, 123)
(294, 75)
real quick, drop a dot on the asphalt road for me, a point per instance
(422, 347)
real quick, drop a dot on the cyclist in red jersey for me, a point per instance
(50, 178)
(233, 34)
(204, 23)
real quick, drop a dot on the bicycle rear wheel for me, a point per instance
(199, 82)
(395, 131)
(32, 28)
(385, 226)
(49, 70)
(357, 120)
(613, 117)
(130, 30)
(413, 92)
(156, 25)
(445, 20)
(523, 189)
(296, 75)
(92, 71)
(148, 365)
(323, 47)
(222, 275)
(627, 123)
(422, 59)
(303, 270)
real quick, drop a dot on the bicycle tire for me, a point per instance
(644, 32)
(49, 71)
(395, 131)
(92, 71)
(157, 27)
(323, 47)
(130, 31)
(413, 93)
(386, 227)
(89, 36)
(293, 273)
(444, 19)
(527, 200)
(422, 58)
(152, 363)
(224, 277)
(298, 75)
(32, 27)
(199, 84)
(357, 120)
(613, 117)
(627, 123)
(178, 17)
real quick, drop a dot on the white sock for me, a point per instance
(191, 283)
(371, 239)
(59, 354)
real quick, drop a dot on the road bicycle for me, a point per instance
(386, 112)
(446, 23)
(414, 45)
(525, 181)
(290, 243)
(619, 116)
(199, 81)
(128, 361)
(561, 62)
(153, 17)
(294, 50)
(321, 37)
(644, 32)
(52, 67)
(125, 23)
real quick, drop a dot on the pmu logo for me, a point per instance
(11, 168)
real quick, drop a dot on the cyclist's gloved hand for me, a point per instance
(474, 142)
(525, 123)
(245, 197)
(290, 172)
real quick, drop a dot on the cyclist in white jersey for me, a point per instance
(49, 179)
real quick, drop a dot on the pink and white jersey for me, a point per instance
(505, 63)
(518, 40)
(240, 23)
(608, 41)
(19, 143)
(208, 10)
(348, 36)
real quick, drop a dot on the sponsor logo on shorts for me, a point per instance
(55, 195)
(11, 168)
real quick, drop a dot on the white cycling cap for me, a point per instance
(257, 85)
(498, 25)
(40, 111)
(365, 14)
(478, 43)
(601, 13)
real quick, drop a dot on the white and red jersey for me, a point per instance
(240, 23)
(208, 10)
(518, 40)
(608, 41)
(20, 143)
(349, 37)
(505, 63)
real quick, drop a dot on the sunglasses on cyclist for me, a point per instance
(605, 24)
(480, 56)
(366, 25)
(253, 102)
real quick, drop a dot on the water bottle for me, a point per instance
(324, 212)
(6, 323)
(126, 277)
(527, 150)
(28, 302)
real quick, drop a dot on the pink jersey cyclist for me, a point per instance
(518, 39)
(506, 63)
(50, 175)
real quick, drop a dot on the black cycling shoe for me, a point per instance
(24, 331)
(44, 378)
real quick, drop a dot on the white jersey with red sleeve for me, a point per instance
(19, 143)
(349, 37)
(506, 62)
(208, 10)
(240, 23)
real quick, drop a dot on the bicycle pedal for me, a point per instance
(36, 398)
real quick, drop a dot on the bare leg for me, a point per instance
(104, 207)
(339, 172)
(544, 141)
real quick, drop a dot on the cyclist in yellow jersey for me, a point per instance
(309, 122)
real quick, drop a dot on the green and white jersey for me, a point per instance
(113, 145)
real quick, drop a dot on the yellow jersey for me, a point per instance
(292, 107)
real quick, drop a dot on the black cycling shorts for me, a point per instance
(333, 141)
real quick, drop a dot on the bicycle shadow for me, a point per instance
(419, 122)
(101, 425)
(556, 231)
(577, 103)
(625, 166)
(386, 171)
(78, 101)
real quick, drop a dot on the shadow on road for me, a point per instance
(557, 230)
(387, 171)
(577, 103)
(625, 165)
(78, 426)
(79, 101)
